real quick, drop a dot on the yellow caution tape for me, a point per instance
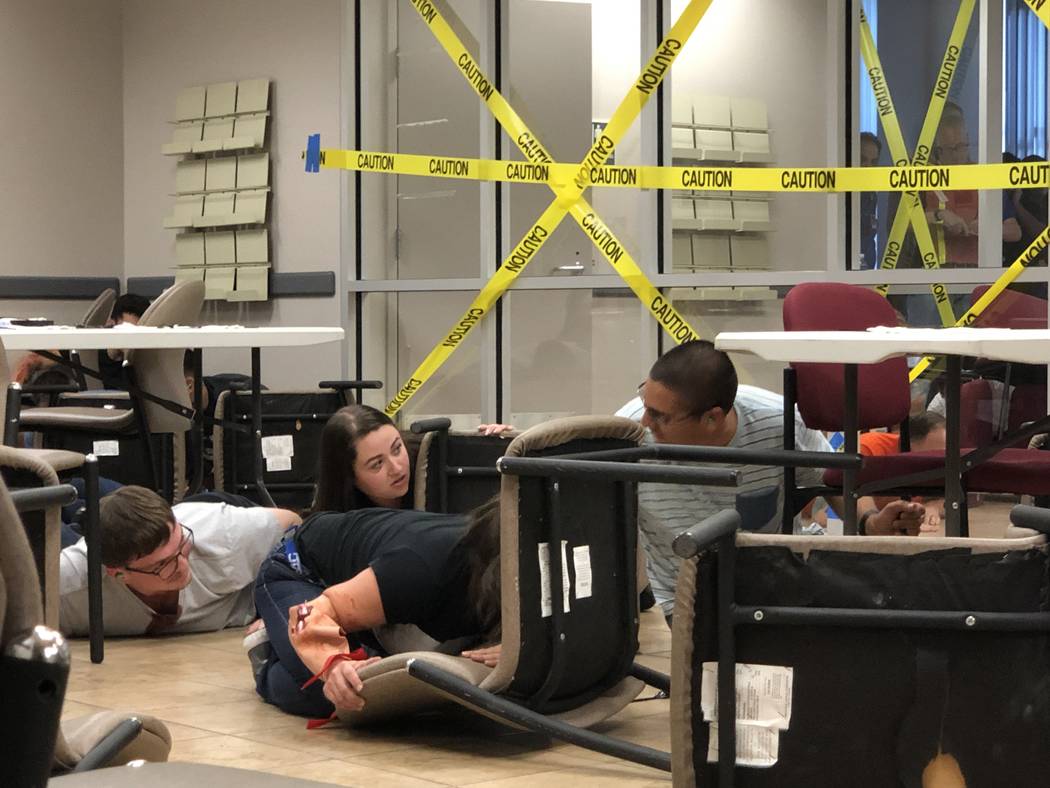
(569, 197)
(1041, 8)
(1026, 258)
(910, 209)
(831, 180)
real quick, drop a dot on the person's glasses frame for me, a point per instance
(167, 568)
(657, 417)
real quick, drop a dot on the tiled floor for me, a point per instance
(201, 687)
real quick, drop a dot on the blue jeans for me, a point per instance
(277, 588)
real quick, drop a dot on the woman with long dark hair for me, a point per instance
(363, 462)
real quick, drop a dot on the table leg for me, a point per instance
(850, 420)
(953, 489)
(197, 428)
(257, 429)
(96, 624)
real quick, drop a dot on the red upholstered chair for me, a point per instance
(1012, 309)
(883, 398)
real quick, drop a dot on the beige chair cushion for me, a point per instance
(391, 692)
(44, 464)
(81, 734)
(74, 418)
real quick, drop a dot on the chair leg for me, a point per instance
(504, 709)
(96, 631)
(12, 414)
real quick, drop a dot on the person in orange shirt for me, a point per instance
(927, 433)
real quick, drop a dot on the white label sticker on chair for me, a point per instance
(105, 448)
(755, 745)
(581, 562)
(278, 446)
(544, 554)
(763, 694)
(278, 464)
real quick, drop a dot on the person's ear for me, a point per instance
(714, 416)
(113, 572)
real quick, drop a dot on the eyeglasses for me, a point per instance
(167, 568)
(658, 417)
(959, 147)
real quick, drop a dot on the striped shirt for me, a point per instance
(666, 510)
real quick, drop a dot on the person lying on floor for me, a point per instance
(339, 577)
(186, 568)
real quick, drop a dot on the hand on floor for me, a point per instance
(488, 655)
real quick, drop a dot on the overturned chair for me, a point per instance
(863, 660)
(569, 617)
(455, 471)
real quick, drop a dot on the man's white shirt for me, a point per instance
(230, 543)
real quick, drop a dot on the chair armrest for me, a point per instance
(430, 425)
(688, 543)
(1033, 517)
(353, 385)
(113, 742)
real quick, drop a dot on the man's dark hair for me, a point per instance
(133, 522)
(701, 376)
(922, 424)
(129, 303)
(867, 136)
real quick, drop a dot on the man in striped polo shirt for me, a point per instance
(691, 397)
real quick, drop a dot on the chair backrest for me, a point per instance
(160, 371)
(598, 538)
(1010, 309)
(299, 416)
(101, 308)
(464, 450)
(883, 393)
(933, 675)
(21, 607)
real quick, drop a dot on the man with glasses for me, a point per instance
(691, 397)
(187, 568)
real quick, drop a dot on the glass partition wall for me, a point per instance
(570, 337)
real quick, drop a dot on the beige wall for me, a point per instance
(169, 46)
(61, 208)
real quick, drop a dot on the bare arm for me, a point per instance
(285, 518)
(897, 518)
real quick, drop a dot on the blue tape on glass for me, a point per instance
(313, 153)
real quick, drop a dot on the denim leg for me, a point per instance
(278, 588)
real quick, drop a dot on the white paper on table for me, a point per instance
(756, 745)
(763, 694)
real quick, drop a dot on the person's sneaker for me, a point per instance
(257, 647)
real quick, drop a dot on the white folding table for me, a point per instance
(1029, 346)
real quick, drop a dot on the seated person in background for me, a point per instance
(691, 397)
(187, 568)
(363, 462)
(127, 311)
(341, 575)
